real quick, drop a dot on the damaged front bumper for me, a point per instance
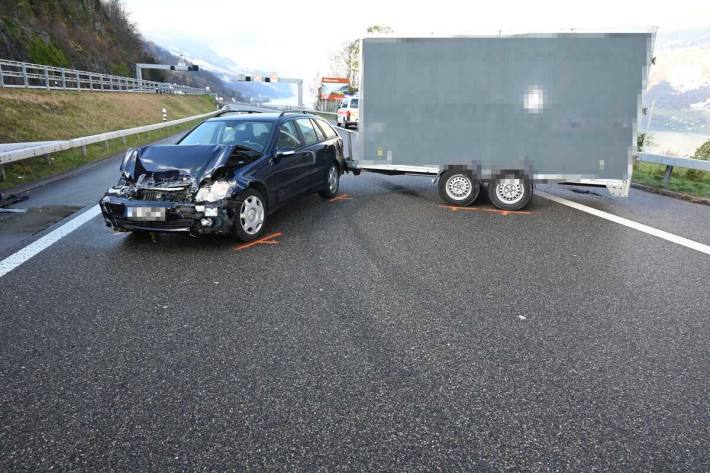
(123, 214)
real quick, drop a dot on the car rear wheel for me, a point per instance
(459, 188)
(332, 182)
(510, 193)
(250, 218)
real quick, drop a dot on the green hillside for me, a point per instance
(39, 115)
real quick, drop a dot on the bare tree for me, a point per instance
(346, 62)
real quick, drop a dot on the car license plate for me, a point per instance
(150, 214)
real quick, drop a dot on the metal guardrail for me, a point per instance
(37, 76)
(47, 148)
(674, 161)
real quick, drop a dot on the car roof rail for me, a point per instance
(305, 112)
(221, 112)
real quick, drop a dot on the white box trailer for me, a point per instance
(502, 111)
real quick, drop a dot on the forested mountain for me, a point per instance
(91, 35)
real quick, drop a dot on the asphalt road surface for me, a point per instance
(378, 331)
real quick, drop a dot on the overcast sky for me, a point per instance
(296, 38)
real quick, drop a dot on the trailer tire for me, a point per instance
(458, 187)
(510, 193)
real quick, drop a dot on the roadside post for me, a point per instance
(165, 115)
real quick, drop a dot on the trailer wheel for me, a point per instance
(458, 187)
(510, 193)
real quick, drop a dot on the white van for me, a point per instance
(348, 114)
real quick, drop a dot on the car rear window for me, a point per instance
(353, 103)
(327, 129)
(309, 133)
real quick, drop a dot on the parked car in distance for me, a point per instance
(348, 114)
(226, 176)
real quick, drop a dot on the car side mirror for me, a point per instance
(284, 152)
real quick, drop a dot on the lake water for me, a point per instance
(681, 144)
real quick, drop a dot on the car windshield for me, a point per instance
(250, 134)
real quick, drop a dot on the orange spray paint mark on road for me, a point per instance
(340, 197)
(454, 208)
(267, 240)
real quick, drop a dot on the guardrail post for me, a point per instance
(78, 82)
(83, 150)
(64, 80)
(667, 175)
(48, 159)
(2, 172)
(2, 82)
(24, 75)
(46, 77)
(91, 81)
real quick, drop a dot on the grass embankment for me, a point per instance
(38, 115)
(686, 181)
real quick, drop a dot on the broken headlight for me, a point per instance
(215, 191)
(117, 190)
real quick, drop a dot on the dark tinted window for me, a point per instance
(327, 129)
(309, 133)
(319, 132)
(288, 136)
(353, 103)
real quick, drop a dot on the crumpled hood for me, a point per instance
(197, 161)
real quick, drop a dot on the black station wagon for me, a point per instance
(226, 175)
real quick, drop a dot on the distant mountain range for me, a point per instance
(228, 71)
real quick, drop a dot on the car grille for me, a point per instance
(163, 195)
(166, 225)
(173, 221)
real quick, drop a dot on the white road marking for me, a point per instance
(16, 259)
(679, 240)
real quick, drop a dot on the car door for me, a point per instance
(331, 150)
(313, 141)
(289, 175)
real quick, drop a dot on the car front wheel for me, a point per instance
(250, 218)
(332, 182)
